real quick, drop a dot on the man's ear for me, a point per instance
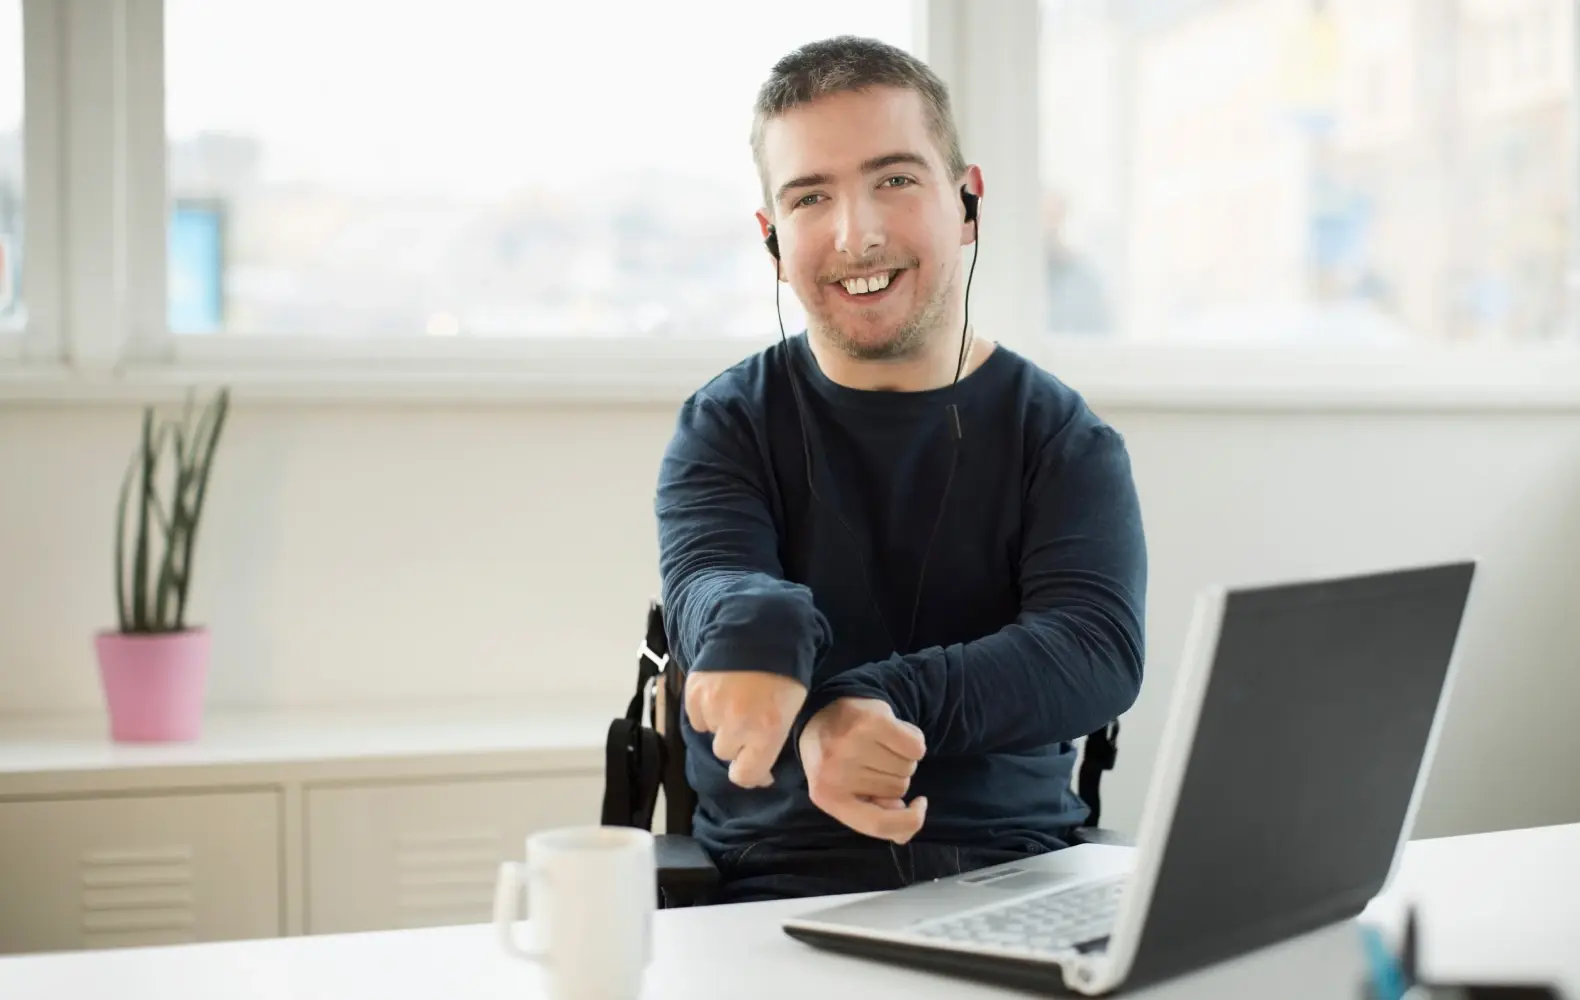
(970, 184)
(770, 240)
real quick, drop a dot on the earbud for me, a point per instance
(772, 242)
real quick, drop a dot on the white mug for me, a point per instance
(591, 894)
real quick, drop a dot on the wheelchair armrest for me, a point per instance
(1102, 835)
(684, 869)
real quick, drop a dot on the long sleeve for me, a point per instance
(727, 605)
(1072, 658)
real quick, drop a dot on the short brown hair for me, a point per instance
(848, 63)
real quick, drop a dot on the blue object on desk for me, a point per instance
(1395, 978)
(1385, 979)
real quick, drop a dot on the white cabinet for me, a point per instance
(393, 855)
(139, 870)
(280, 823)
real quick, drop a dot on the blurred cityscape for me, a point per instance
(647, 254)
(1379, 170)
(249, 257)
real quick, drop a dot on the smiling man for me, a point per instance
(903, 565)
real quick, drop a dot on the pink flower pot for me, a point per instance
(154, 684)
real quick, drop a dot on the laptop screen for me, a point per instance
(1312, 731)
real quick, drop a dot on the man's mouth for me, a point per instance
(870, 287)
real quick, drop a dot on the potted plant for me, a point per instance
(154, 666)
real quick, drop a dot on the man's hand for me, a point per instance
(859, 760)
(749, 713)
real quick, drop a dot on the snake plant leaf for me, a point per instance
(169, 573)
(123, 611)
(217, 411)
(140, 609)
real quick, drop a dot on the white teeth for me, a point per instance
(861, 286)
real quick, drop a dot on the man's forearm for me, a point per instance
(727, 604)
(1051, 677)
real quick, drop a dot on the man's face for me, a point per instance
(860, 190)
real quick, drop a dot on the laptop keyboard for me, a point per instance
(1050, 922)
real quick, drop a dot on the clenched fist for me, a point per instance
(749, 713)
(859, 760)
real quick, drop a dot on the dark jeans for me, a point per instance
(762, 871)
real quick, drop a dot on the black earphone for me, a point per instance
(971, 202)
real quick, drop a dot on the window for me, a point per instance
(1309, 171)
(475, 168)
(487, 196)
(10, 165)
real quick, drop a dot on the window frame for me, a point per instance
(94, 140)
(37, 340)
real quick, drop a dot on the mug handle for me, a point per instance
(507, 898)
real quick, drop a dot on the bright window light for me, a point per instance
(1309, 171)
(476, 168)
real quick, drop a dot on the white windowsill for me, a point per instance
(640, 371)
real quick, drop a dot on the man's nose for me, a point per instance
(860, 228)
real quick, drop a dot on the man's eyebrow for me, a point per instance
(804, 181)
(894, 159)
(867, 167)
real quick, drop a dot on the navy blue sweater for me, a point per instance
(1028, 631)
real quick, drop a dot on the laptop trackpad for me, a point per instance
(1015, 879)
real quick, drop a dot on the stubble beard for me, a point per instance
(910, 339)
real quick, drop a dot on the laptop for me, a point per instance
(1302, 726)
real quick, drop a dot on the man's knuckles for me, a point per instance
(904, 739)
(886, 786)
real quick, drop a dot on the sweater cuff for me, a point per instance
(791, 659)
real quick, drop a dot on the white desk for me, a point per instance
(1493, 905)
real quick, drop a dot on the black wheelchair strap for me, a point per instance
(634, 753)
(1102, 751)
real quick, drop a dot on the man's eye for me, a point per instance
(897, 181)
(807, 199)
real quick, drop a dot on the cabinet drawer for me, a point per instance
(397, 855)
(139, 870)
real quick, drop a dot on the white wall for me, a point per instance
(375, 551)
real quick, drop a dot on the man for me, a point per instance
(903, 566)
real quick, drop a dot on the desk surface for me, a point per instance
(1501, 904)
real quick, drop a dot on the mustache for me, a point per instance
(868, 267)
